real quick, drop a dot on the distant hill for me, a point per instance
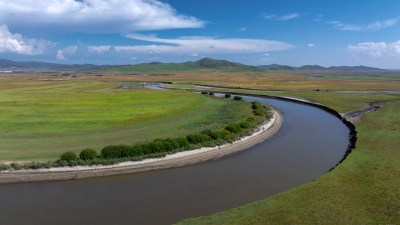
(17, 66)
(202, 64)
(318, 68)
(158, 67)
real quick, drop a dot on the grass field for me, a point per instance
(364, 189)
(361, 190)
(41, 119)
(284, 80)
(371, 77)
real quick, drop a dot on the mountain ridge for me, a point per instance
(202, 64)
(318, 68)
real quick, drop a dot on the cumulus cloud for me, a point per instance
(94, 15)
(16, 43)
(203, 45)
(282, 17)
(311, 45)
(376, 49)
(68, 51)
(373, 26)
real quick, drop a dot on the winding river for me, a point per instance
(310, 142)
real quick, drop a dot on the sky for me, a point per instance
(253, 32)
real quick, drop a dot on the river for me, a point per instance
(310, 142)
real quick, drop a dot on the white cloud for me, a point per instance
(281, 18)
(341, 26)
(242, 29)
(103, 16)
(68, 51)
(376, 49)
(16, 43)
(191, 46)
(99, 49)
(289, 16)
(374, 26)
(203, 45)
(311, 45)
(378, 54)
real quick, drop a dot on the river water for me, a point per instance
(309, 143)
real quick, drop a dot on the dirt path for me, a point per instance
(356, 115)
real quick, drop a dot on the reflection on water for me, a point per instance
(309, 143)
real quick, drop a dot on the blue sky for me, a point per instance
(255, 32)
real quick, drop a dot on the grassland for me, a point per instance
(361, 190)
(42, 119)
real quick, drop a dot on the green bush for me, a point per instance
(204, 137)
(198, 138)
(4, 167)
(168, 146)
(259, 112)
(68, 156)
(233, 128)
(136, 150)
(183, 142)
(158, 147)
(251, 119)
(171, 144)
(88, 154)
(62, 163)
(226, 132)
(115, 151)
(147, 148)
(207, 132)
(244, 124)
(217, 134)
(211, 93)
(204, 92)
(35, 165)
(125, 151)
(237, 98)
(227, 95)
(256, 105)
(194, 138)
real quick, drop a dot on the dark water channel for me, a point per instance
(309, 143)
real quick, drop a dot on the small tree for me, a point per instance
(204, 92)
(88, 154)
(68, 156)
(112, 151)
(237, 98)
(183, 142)
(227, 95)
(244, 124)
(211, 93)
(136, 150)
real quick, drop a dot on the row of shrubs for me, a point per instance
(238, 98)
(77, 162)
(157, 148)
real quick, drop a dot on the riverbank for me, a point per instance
(263, 132)
(363, 189)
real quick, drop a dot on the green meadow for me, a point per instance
(42, 119)
(363, 189)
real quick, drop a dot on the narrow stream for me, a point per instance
(310, 142)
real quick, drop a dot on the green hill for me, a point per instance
(202, 64)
